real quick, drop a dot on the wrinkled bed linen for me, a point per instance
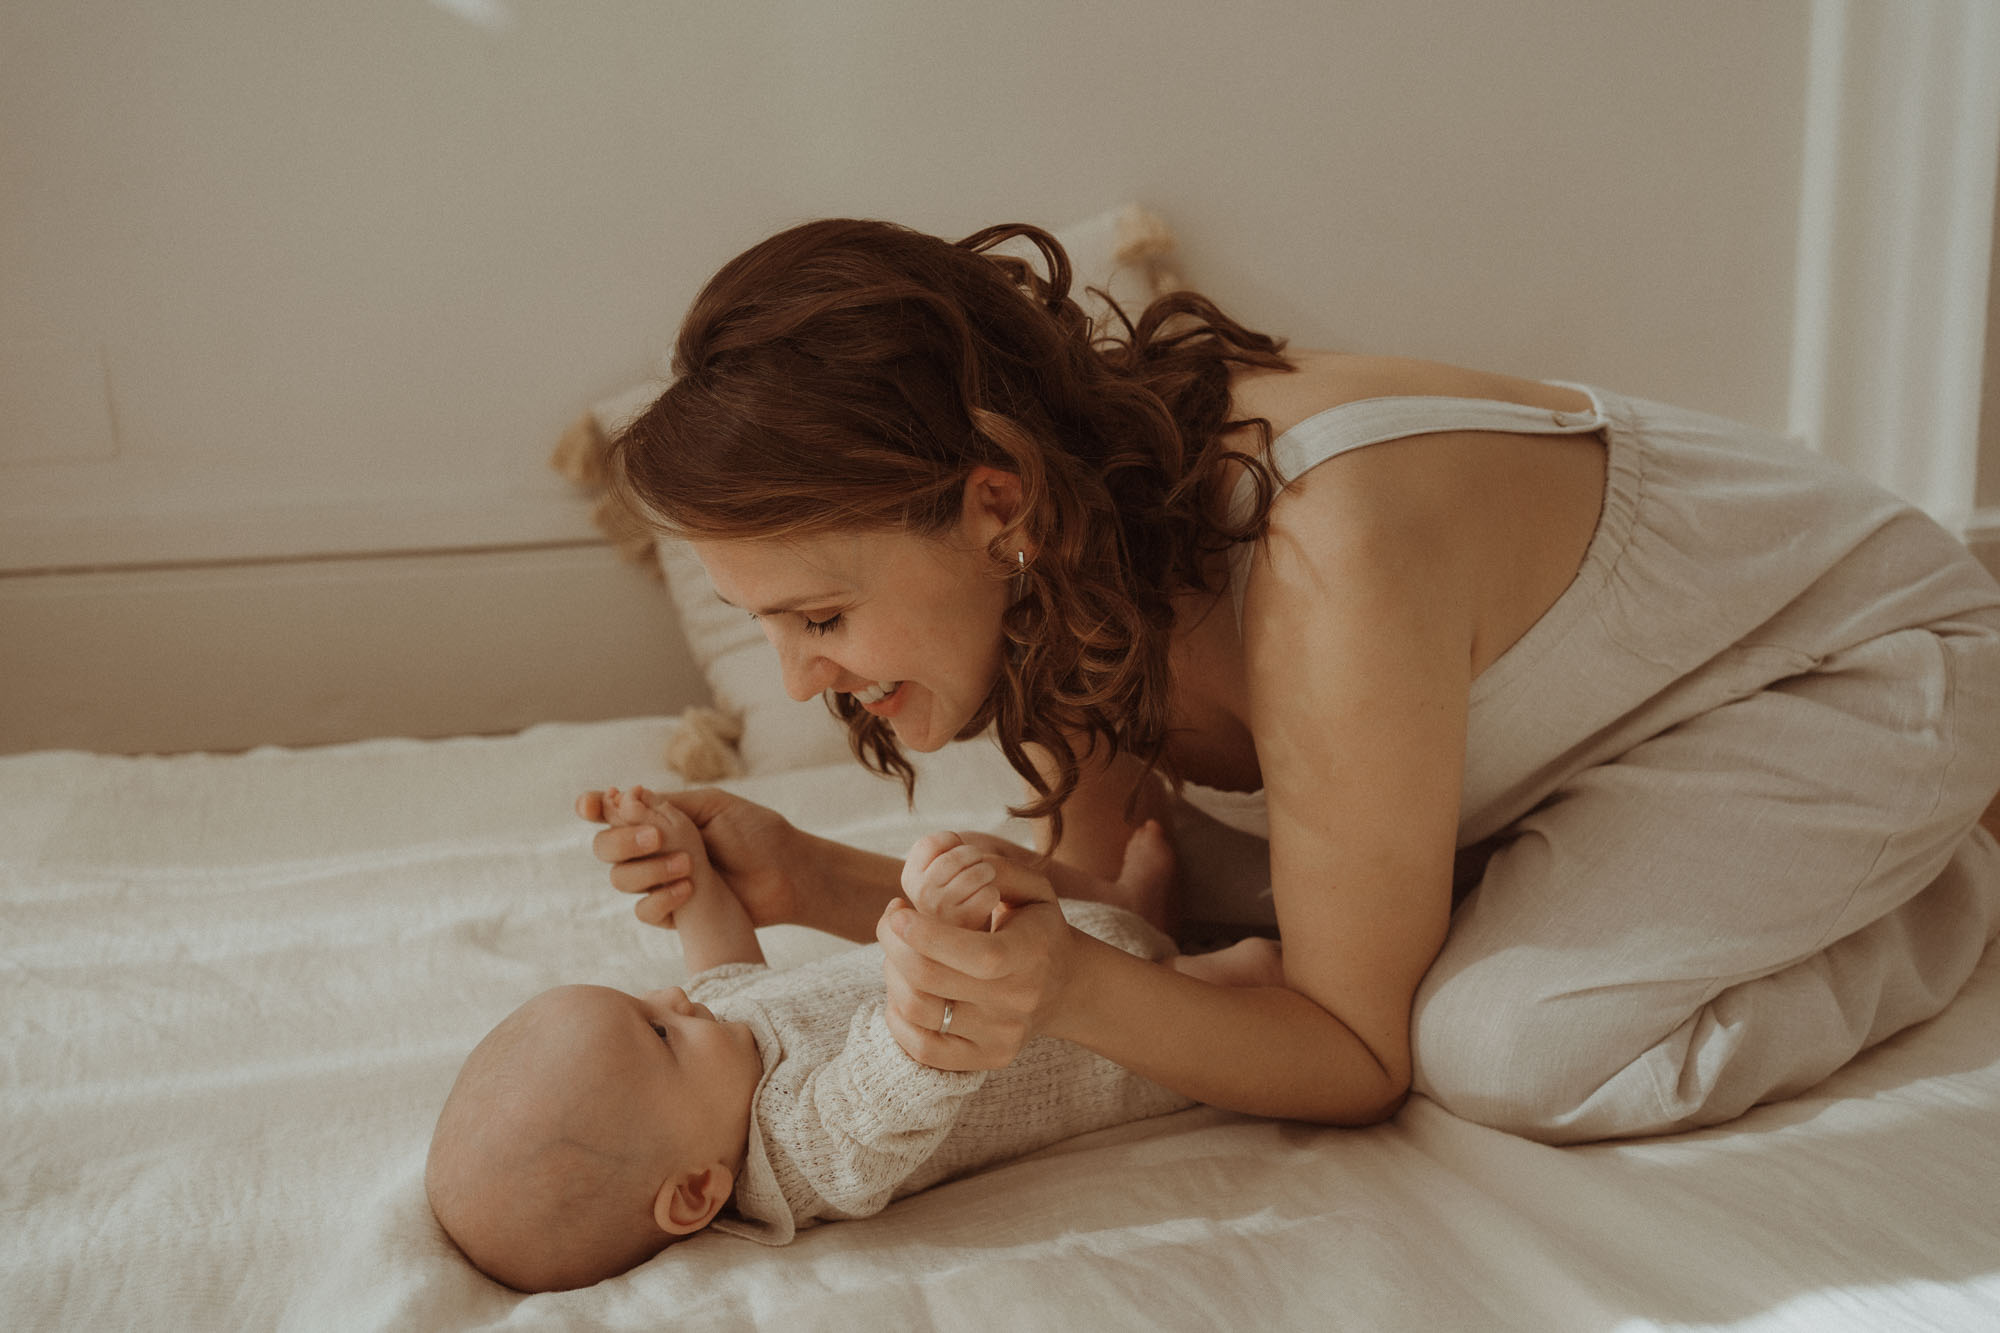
(235, 989)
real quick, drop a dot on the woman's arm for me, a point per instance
(1358, 647)
(1262, 1050)
(781, 875)
(1358, 660)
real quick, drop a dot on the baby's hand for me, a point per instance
(946, 877)
(674, 834)
(968, 886)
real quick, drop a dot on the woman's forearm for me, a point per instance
(1261, 1050)
(844, 889)
(1069, 881)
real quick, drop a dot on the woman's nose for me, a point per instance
(807, 674)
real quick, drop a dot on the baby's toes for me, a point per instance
(1149, 858)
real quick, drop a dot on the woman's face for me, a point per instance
(910, 626)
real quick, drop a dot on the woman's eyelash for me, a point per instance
(827, 626)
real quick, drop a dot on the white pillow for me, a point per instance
(1124, 251)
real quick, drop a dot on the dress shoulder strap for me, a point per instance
(1346, 427)
(1366, 421)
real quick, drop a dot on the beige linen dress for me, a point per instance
(1724, 792)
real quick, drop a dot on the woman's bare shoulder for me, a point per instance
(1322, 379)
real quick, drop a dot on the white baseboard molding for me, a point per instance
(228, 657)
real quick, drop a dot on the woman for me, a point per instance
(1699, 726)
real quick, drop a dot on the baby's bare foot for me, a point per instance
(1145, 883)
(1255, 961)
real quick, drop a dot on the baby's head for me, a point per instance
(589, 1131)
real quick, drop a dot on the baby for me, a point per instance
(592, 1128)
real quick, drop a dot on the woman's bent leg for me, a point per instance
(1732, 910)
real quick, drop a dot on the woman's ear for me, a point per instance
(687, 1203)
(993, 493)
(992, 502)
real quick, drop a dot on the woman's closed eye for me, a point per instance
(826, 626)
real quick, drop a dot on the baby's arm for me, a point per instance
(857, 1126)
(714, 928)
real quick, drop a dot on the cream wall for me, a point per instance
(281, 281)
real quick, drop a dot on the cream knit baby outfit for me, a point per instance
(843, 1121)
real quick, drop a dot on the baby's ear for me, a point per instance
(687, 1203)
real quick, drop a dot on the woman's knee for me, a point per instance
(1554, 1067)
(1499, 1058)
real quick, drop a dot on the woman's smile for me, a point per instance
(883, 698)
(908, 627)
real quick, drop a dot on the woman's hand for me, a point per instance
(755, 850)
(1002, 985)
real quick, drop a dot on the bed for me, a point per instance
(236, 989)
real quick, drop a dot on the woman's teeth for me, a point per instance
(877, 692)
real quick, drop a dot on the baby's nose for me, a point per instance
(676, 1001)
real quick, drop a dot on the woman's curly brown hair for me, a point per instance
(851, 374)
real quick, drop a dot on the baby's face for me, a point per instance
(689, 1073)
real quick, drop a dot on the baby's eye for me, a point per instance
(826, 626)
(658, 1031)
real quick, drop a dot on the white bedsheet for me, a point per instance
(235, 990)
